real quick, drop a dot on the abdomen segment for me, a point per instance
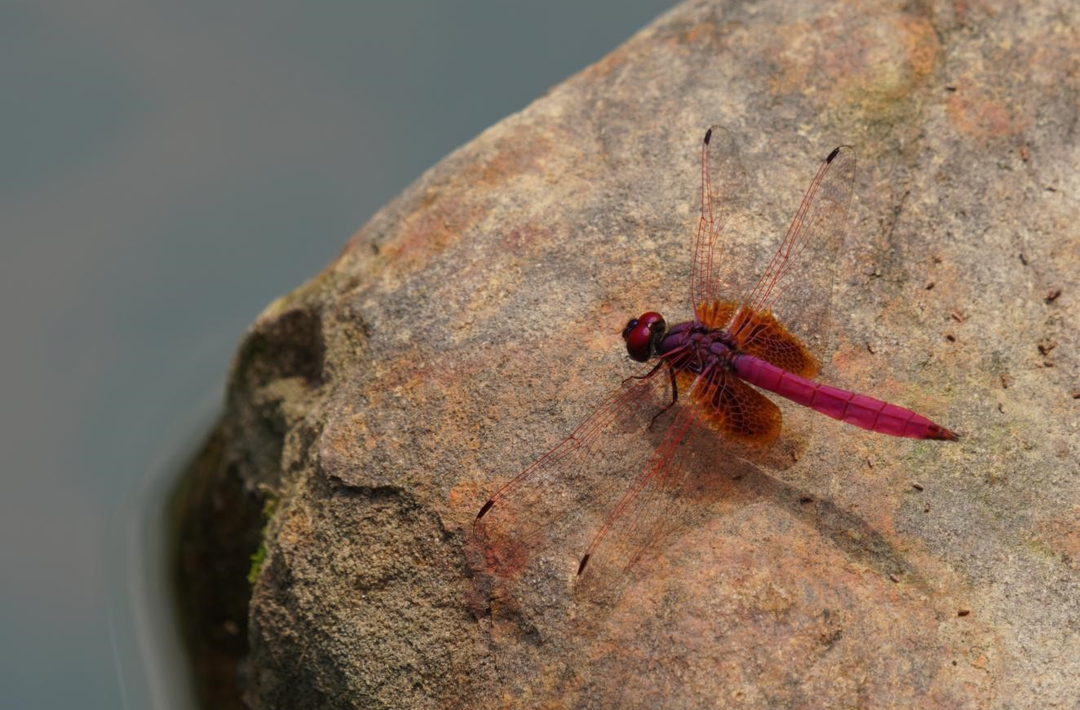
(857, 409)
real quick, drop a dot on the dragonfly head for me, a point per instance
(643, 335)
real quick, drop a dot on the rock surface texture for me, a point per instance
(476, 319)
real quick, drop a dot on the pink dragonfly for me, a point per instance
(702, 375)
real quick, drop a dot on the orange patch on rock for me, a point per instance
(853, 363)
(520, 152)
(435, 222)
(888, 57)
(1061, 534)
(700, 33)
(976, 115)
(437, 225)
(921, 45)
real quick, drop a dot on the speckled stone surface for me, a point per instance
(476, 319)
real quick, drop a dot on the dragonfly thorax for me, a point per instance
(701, 346)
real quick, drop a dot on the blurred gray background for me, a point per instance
(168, 169)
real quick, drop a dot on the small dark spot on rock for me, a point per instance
(930, 286)
(950, 89)
(963, 612)
(829, 639)
(1023, 259)
(958, 315)
(1053, 295)
(1006, 380)
(950, 337)
(916, 485)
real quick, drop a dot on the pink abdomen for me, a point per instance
(857, 409)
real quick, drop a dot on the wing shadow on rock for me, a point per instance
(540, 548)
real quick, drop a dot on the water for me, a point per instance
(168, 169)
(148, 656)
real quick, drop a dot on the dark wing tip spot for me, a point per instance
(581, 567)
(486, 508)
(708, 135)
(832, 155)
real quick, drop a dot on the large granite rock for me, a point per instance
(476, 318)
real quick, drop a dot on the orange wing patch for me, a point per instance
(761, 335)
(734, 409)
(717, 314)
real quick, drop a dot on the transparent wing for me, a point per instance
(556, 500)
(655, 505)
(723, 196)
(796, 286)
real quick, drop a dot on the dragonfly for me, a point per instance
(703, 376)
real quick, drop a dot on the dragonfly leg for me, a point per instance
(647, 375)
(674, 396)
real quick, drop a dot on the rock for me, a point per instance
(476, 319)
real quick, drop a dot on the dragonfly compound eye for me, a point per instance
(642, 336)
